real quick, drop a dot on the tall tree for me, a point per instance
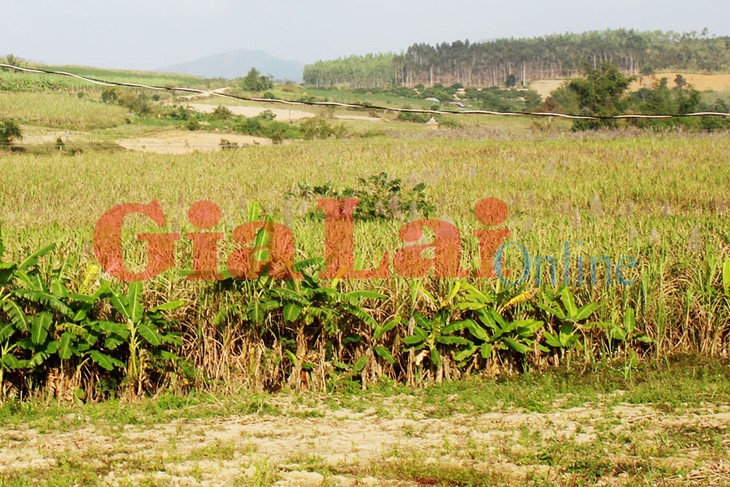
(255, 81)
(600, 94)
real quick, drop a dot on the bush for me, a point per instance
(250, 126)
(381, 198)
(9, 131)
(109, 96)
(413, 117)
(226, 144)
(263, 125)
(222, 113)
(181, 112)
(319, 128)
(267, 115)
(278, 137)
(138, 104)
(450, 123)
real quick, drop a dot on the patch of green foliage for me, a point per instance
(264, 126)
(91, 329)
(381, 198)
(603, 93)
(255, 81)
(9, 131)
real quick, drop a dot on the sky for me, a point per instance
(149, 34)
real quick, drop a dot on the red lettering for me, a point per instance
(108, 242)
(490, 212)
(340, 242)
(410, 262)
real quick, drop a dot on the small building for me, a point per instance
(433, 124)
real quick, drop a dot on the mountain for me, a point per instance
(235, 64)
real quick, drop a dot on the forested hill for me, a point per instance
(521, 61)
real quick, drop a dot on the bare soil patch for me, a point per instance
(282, 114)
(700, 82)
(316, 445)
(186, 142)
(546, 86)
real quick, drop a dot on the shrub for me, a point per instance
(267, 115)
(381, 198)
(109, 96)
(9, 131)
(319, 128)
(226, 144)
(412, 117)
(181, 112)
(250, 126)
(138, 104)
(222, 113)
(450, 123)
(263, 126)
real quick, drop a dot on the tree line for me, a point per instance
(514, 62)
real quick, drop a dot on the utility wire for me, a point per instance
(356, 105)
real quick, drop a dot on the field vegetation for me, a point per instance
(559, 189)
(633, 324)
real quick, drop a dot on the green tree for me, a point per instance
(9, 131)
(255, 81)
(600, 94)
(562, 100)
(657, 100)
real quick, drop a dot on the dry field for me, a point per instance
(701, 82)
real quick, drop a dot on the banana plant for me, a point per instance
(312, 302)
(433, 333)
(26, 308)
(570, 321)
(492, 333)
(484, 330)
(84, 337)
(625, 331)
(379, 331)
(429, 333)
(146, 329)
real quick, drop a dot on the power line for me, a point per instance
(358, 106)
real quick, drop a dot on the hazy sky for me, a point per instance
(155, 33)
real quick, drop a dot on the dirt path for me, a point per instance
(198, 96)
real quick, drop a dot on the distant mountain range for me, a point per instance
(235, 64)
